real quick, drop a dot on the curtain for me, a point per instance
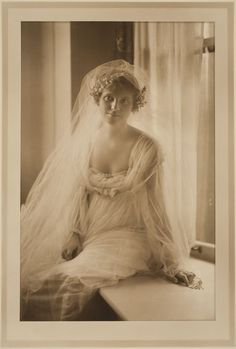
(45, 94)
(171, 54)
(206, 144)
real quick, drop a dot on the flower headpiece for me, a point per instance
(107, 79)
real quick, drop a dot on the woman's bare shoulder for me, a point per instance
(135, 133)
(148, 144)
(149, 140)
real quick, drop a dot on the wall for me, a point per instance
(94, 43)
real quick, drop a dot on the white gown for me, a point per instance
(123, 228)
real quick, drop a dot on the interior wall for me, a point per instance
(94, 43)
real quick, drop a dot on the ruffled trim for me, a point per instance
(110, 192)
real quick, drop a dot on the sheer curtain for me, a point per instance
(171, 54)
(206, 143)
(45, 94)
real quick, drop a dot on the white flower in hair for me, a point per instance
(107, 79)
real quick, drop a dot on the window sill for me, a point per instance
(203, 250)
(143, 298)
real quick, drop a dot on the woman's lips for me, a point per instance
(113, 114)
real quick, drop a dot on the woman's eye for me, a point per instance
(108, 99)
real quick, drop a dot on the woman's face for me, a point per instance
(116, 103)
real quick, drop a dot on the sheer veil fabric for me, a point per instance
(121, 218)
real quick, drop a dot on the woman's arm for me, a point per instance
(168, 251)
(73, 244)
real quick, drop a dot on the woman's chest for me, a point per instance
(110, 158)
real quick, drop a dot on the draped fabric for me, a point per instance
(171, 54)
(124, 230)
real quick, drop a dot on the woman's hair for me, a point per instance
(122, 82)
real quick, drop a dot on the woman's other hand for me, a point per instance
(183, 277)
(72, 247)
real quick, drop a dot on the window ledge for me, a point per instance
(146, 298)
(203, 250)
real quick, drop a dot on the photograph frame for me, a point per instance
(14, 335)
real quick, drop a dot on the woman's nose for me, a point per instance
(114, 104)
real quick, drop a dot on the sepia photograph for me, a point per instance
(118, 174)
(117, 171)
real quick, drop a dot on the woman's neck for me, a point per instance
(114, 131)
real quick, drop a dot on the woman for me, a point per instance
(96, 213)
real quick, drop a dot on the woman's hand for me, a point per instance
(72, 247)
(185, 278)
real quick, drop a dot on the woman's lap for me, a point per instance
(105, 259)
(108, 257)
